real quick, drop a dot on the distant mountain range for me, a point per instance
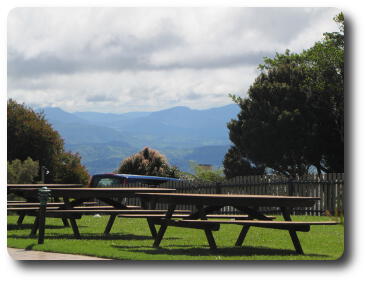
(180, 133)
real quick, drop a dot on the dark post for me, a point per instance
(43, 195)
(218, 187)
(290, 185)
(44, 171)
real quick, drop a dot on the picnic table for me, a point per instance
(250, 204)
(75, 197)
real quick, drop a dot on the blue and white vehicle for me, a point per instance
(123, 180)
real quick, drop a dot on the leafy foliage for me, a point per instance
(70, 170)
(202, 173)
(22, 172)
(148, 162)
(236, 165)
(30, 135)
(325, 73)
(294, 115)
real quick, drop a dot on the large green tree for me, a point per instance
(70, 169)
(31, 135)
(293, 116)
(236, 165)
(325, 82)
(148, 162)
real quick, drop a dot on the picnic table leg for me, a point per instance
(202, 212)
(210, 238)
(21, 218)
(65, 222)
(292, 233)
(111, 220)
(75, 228)
(242, 235)
(163, 227)
(41, 224)
(73, 224)
(34, 228)
(146, 204)
(152, 229)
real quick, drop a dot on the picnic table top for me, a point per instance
(104, 189)
(232, 199)
(44, 185)
(90, 192)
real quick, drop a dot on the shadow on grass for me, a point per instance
(205, 251)
(12, 227)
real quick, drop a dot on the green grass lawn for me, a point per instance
(130, 240)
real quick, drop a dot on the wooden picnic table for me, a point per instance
(250, 204)
(74, 197)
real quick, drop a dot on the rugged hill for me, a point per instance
(181, 133)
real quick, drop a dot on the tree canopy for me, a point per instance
(149, 162)
(203, 172)
(30, 135)
(236, 165)
(293, 116)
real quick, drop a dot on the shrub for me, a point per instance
(22, 172)
(148, 162)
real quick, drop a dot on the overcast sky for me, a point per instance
(146, 59)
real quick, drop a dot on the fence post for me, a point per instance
(290, 186)
(218, 187)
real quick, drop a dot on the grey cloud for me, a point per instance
(130, 53)
(100, 97)
(18, 66)
(125, 51)
(229, 60)
(278, 24)
(21, 67)
(193, 96)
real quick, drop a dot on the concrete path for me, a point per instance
(20, 254)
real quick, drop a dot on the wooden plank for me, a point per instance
(44, 185)
(233, 200)
(194, 224)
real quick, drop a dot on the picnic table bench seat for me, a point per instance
(84, 208)
(24, 207)
(297, 225)
(79, 211)
(187, 215)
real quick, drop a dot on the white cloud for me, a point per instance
(133, 91)
(134, 59)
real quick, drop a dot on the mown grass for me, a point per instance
(130, 240)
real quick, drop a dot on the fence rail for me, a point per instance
(329, 187)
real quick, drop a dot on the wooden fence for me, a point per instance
(329, 187)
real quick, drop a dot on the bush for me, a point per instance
(70, 170)
(22, 172)
(148, 162)
(206, 174)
